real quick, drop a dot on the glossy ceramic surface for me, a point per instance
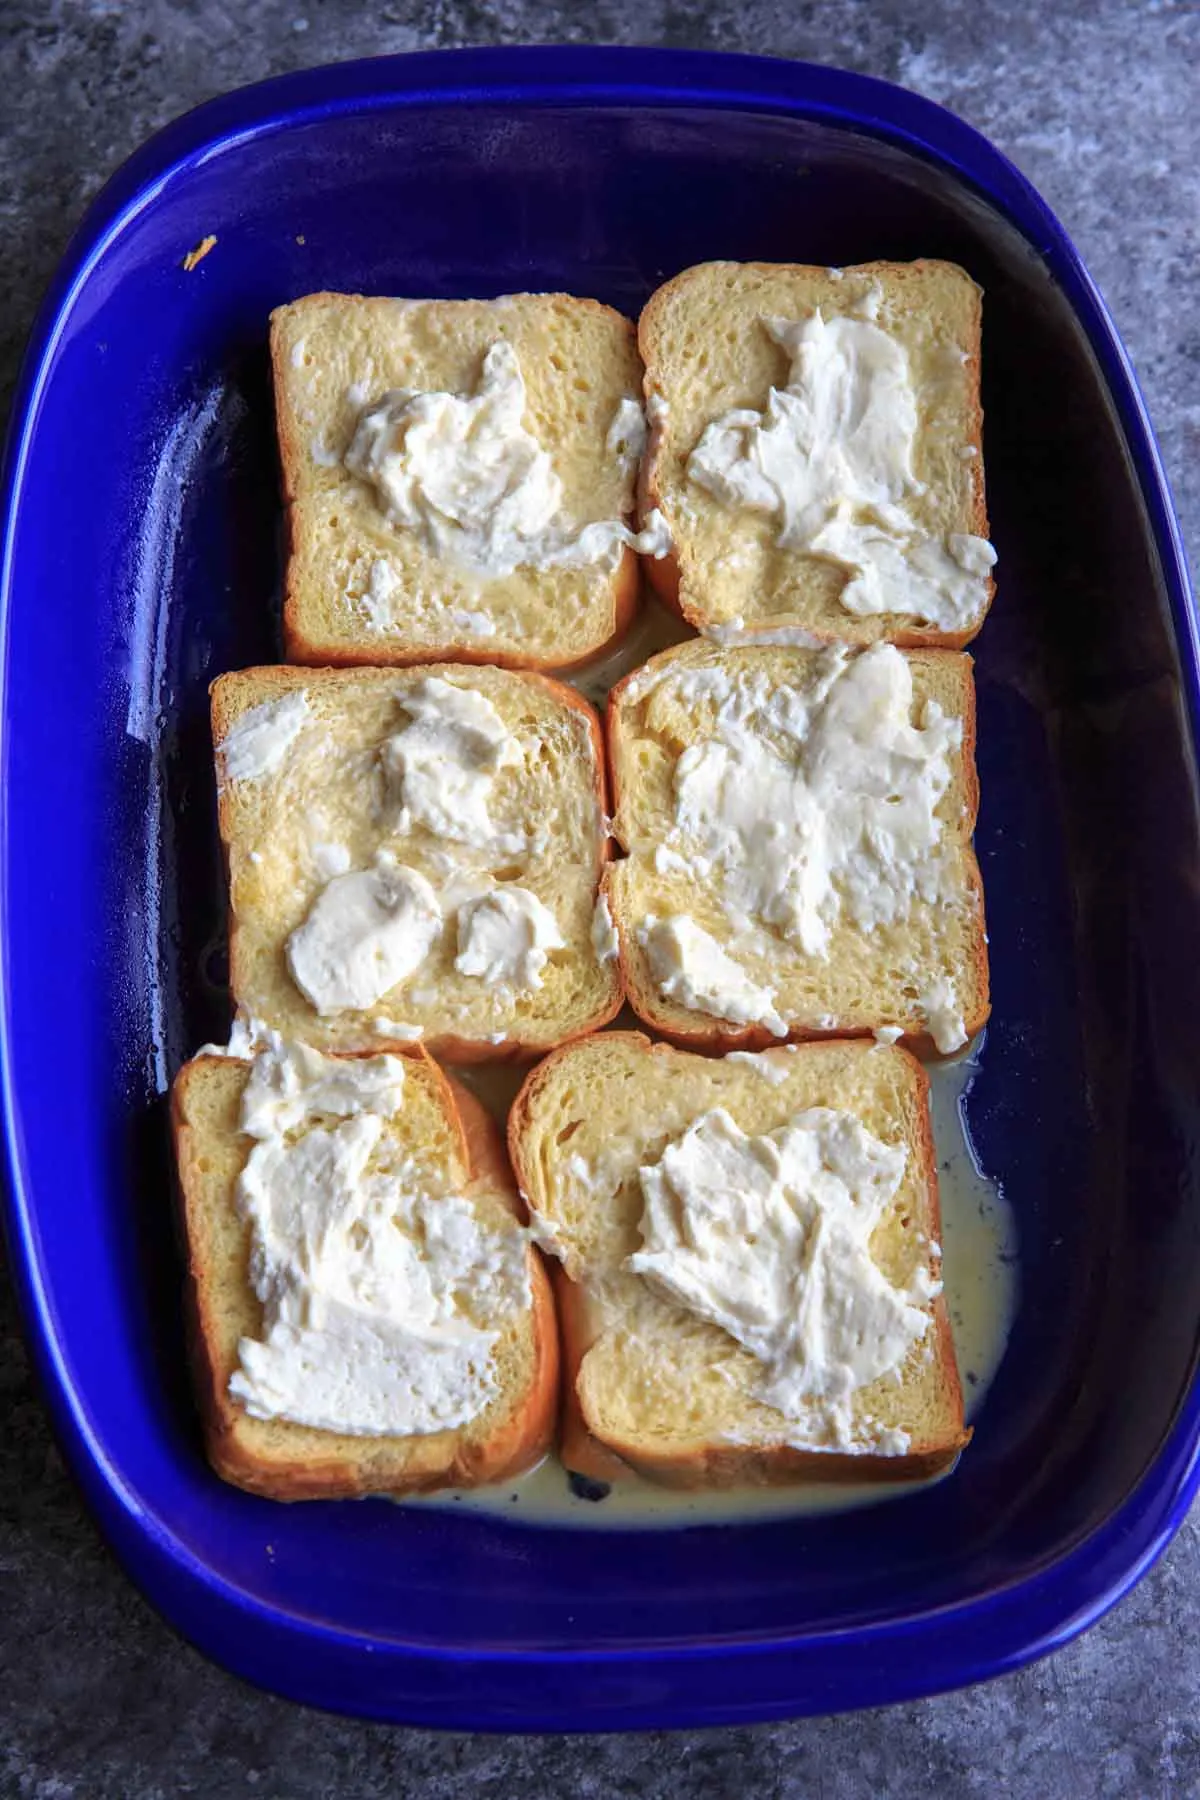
(142, 558)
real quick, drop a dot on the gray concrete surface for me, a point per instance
(1097, 102)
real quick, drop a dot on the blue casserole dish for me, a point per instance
(142, 557)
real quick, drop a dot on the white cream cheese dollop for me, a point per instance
(442, 765)
(376, 599)
(472, 624)
(382, 1300)
(259, 739)
(769, 1237)
(506, 935)
(246, 1035)
(291, 1082)
(941, 582)
(329, 859)
(830, 457)
(807, 805)
(765, 1064)
(467, 477)
(365, 932)
(605, 941)
(369, 929)
(943, 1013)
(626, 438)
(689, 966)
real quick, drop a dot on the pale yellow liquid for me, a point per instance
(655, 628)
(980, 1274)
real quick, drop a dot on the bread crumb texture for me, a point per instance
(439, 1139)
(712, 347)
(823, 849)
(401, 820)
(360, 587)
(674, 1394)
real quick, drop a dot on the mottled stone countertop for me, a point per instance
(1098, 101)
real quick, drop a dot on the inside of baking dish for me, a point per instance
(155, 444)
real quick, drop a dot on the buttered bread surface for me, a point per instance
(744, 1243)
(798, 824)
(816, 449)
(366, 1313)
(750, 1259)
(458, 477)
(415, 859)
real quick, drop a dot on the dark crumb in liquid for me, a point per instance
(973, 1378)
(584, 1488)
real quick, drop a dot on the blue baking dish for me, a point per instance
(142, 557)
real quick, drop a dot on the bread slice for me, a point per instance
(328, 804)
(454, 1142)
(708, 350)
(361, 589)
(649, 1384)
(921, 975)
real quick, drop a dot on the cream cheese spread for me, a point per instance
(626, 438)
(329, 859)
(941, 582)
(246, 1035)
(807, 805)
(382, 585)
(769, 1238)
(941, 1007)
(382, 1298)
(830, 457)
(369, 928)
(506, 935)
(364, 933)
(466, 476)
(605, 942)
(473, 624)
(291, 1082)
(396, 1028)
(441, 767)
(766, 1064)
(792, 637)
(257, 742)
(689, 966)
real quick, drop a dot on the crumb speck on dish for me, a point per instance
(198, 254)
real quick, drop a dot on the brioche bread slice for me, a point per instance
(708, 350)
(443, 1131)
(921, 974)
(313, 791)
(363, 589)
(649, 1384)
